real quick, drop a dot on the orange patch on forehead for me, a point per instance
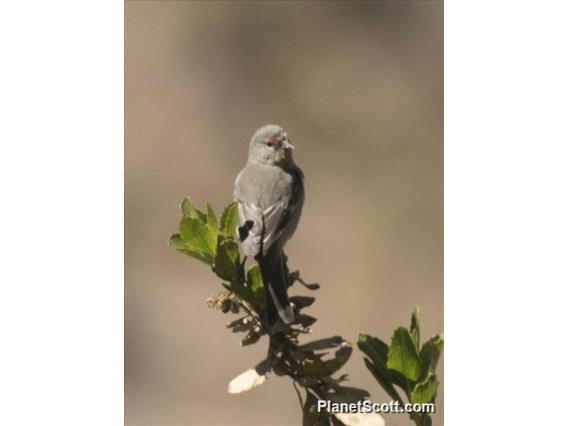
(279, 138)
(275, 140)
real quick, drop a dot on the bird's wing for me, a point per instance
(250, 218)
(281, 219)
(274, 223)
(260, 227)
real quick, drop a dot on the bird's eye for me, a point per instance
(270, 144)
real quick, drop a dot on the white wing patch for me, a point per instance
(265, 223)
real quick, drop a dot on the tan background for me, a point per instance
(359, 87)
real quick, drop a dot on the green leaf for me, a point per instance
(254, 278)
(212, 221)
(244, 289)
(382, 376)
(229, 220)
(190, 211)
(403, 356)
(227, 260)
(374, 348)
(199, 237)
(431, 351)
(401, 381)
(415, 327)
(377, 351)
(211, 217)
(179, 244)
(255, 284)
(425, 392)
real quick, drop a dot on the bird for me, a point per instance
(269, 192)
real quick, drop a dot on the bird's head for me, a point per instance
(270, 145)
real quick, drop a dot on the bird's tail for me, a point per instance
(275, 288)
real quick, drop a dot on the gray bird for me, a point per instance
(270, 195)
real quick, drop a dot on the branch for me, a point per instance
(312, 365)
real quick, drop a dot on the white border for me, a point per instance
(61, 217)
(506, 212)
(61, 214)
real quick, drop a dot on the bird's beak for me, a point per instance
(287, 144)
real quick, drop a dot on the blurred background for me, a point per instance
(359, 87)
